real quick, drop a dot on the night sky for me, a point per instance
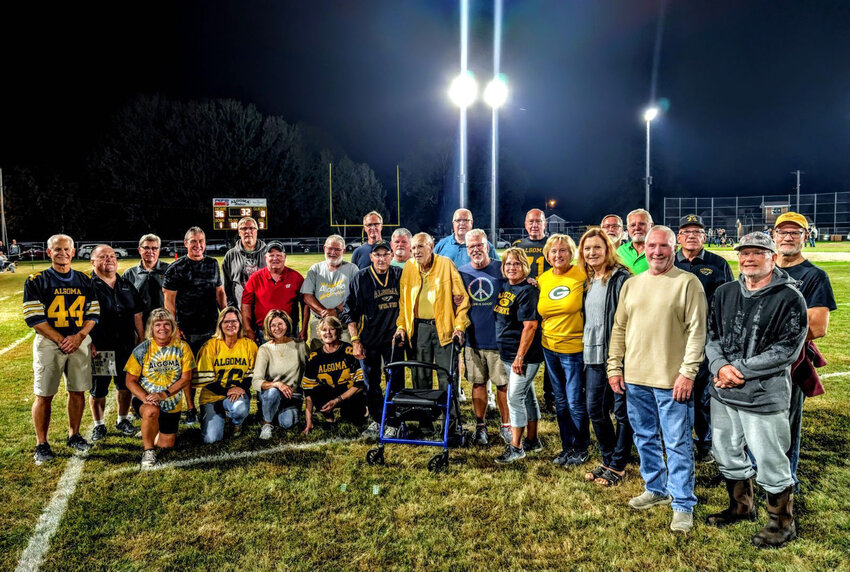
(756, 88)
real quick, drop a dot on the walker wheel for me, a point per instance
(375, 457)
(438, 463)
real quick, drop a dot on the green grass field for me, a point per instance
(313, 503)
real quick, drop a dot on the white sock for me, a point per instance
(98, 422)
(121, 418)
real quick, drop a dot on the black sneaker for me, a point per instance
(43, 454)
(480, 435)
(534, 446)
(510, 455)
(125, 427)
(561, 458)
(78, 443)
(704, 456)
(98, 433)
(577, 458)
(191, 419)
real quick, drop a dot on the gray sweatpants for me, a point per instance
(766, 435)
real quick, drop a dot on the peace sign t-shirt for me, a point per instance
(482, 287)
(559, 307)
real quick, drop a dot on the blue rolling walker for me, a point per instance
(422, 405)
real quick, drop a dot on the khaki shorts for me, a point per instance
(49, 364)
(482, 365)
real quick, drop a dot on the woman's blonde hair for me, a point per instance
(331, 322)
(219, 334)
(160, 315)
(267, 323)
(520, 256)
(565, 238)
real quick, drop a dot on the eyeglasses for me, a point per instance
(373, 224)
(478, 246)
(249, 228)
(149, 248)
(792, 233)
(753, 253)
(230, 322)
(463, 220)
(692, 232)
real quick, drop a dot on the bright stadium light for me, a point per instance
(650, 114)
(496, 92)
(463, 90)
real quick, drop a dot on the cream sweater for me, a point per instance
(280, 362)
(659, 329)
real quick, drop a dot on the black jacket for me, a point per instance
(760, 333)
(612, 298)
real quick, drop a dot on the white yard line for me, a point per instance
(834, 374)
(234, 456)
(16, 343)
(49, 521)
(10, 295)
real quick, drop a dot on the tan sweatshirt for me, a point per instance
(659, 329)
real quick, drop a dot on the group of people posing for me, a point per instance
(647, 342)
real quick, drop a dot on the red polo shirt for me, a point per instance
(264, 294)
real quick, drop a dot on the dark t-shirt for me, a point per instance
(149, 285)
(534, 252)
(483, 287)
(517, 304)
(360, 256)
(119, 304)
(712, 270)
(339, 370)
(195, 282)
(813, 283)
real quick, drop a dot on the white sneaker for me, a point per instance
(371, 431)
(390, 432)
(266, 431)
(491, 398)
(461, 396)
(148, 459)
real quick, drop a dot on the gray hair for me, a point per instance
(150, 238)
(56, 238)
(476, 232)
(619, 220)
(642, 212)
(192, 232)
(373, 213)
(401, 232)
(429, 240)
(671, 236)
(335, 238)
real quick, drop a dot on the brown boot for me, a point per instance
(741, 504)
(780, 526)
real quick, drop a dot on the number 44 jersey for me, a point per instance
(221, 367)
(64, 301)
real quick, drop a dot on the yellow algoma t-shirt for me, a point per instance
(221, 367)
(559, 306)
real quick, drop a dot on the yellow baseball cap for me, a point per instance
(790, 216)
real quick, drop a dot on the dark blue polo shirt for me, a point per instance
(712, 270)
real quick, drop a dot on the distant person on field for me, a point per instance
(790, 233)
(757, 327)
(274, 287)
(148, 275)
(712, 271)
(224, 369)
(326, 287)
(633, 253)
(400, 243)
(194, 294)
(613, 226)
(60, 304)
(278, 372)
(453, 246)
(157, 372)
(117, 332)
(373, 225)
(241, 261)
(656, 348)
(14, 251)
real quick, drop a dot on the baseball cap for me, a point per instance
(756, 240)
(691, 220)
(791, 216)
(274, 244)
(381, 244)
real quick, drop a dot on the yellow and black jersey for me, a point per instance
(339, 369)
(159, 367)
(221, 367)
(534, 252)
(64, 301)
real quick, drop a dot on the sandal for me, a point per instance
(596, 473)
(609, 478)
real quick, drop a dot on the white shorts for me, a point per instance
(49, 364)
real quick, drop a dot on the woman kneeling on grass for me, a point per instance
(278, 373)
(333, 378)
(225, 366)
(157, 371)
(518, 338)
(605, 277)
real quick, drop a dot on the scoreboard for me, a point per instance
(228, 212)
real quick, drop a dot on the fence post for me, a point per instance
(835, 213)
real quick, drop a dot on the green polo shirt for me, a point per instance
(630, 257)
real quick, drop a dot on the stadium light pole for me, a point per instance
(648, 115)
(495, 94)
(463, 92)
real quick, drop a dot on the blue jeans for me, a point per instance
(615, 445)
(522, 402)
(567, 373)
(213, 416)
(276, 407)
(654, 416)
